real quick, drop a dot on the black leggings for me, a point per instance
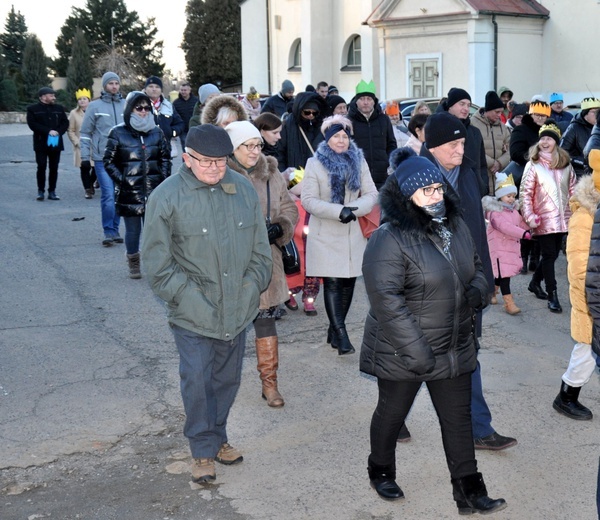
(550, 246)
(504, 284)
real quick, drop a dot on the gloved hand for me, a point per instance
(474, 298)
(346, 215)
(86, 164)
(274, 231)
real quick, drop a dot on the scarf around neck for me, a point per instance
(343, 168)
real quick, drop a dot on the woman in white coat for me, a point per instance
(337, 188)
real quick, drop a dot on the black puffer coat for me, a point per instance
(593, 142)
(419, 326)
(523, 137)
(136, 162)
(574, 140)
(375, 137)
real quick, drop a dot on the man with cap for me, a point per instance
(445, 137)
(496, 137)
(277, 104)
(205, 93)
(207, 256)
(168, 118)
(49, 122)
(373, 132)
(577, 135)
(561, 117)
(458, 103)
(101, 115)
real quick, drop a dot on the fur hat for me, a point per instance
(154, 80)
(443, 127)
(209, 140)
(455, 95)
(492, 101)
(241, 131)
(206, 90)
(505, 185)
(413, 172)
(109, 76)
(550, 129)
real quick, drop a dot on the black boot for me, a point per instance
(333, 289)
(534, 260)
(383, 480)
(536, 289)
(566, 403)
(471, 497)
(526, 246)
(524, 268)
(553, 303)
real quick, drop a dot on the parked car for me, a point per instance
(407, 105)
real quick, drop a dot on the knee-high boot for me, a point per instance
(334, 307)
(267, 354)
(471, 496)
(525, 250)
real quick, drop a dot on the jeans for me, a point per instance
(210, 371)
(110, 218)
(50, 158)
(481, 417)
(451, 399)
(550, 246)
(133, 231)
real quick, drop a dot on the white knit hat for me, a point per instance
(242, 131)
(505, 185)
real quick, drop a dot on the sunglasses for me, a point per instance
(307, 113)
(143, 108)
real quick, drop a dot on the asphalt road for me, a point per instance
(91, 416)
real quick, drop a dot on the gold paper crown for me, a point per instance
(550, 128)
(540, 107)
(83, 92)
(296, 177)
(508, 181)
(590, 102)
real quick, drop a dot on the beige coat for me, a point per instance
(75, 120)
(334, 249)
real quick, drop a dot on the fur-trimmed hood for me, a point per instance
(491, 203)
(585, 195)
(211, 109)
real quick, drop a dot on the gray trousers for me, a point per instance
(210, 371)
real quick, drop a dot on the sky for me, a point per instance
(169, 18)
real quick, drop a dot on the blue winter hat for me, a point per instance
(413, 172)
(555, 96)
(206, 90)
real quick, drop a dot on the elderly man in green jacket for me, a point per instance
(207, 255)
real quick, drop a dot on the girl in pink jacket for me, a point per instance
(505, 230)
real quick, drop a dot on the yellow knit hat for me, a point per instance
(83, 92)
(540, 107)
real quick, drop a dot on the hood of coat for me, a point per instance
(530, 123)
(578, 120)
(490, 203)
(399, 211)
(265, 168)
(585, 195)
(211, 109)
(132, 102)
(307, 97)
(480, 116)
(354, 113)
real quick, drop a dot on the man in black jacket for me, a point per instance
(373, 132)
(49, 122)
(184, 104)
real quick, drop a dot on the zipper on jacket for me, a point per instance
(451, 350)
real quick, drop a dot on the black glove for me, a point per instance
(346, 215)
(274, 231)
(474, 298)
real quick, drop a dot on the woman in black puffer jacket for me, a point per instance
(138, 159)
(424, 281)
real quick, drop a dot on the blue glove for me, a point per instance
(52, 140)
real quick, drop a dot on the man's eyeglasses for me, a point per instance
(429, 190)
(252, 147)
(142, 108)
(207, 163)
(308, 113)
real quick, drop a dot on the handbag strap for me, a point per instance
(307, 141)
(268, 217)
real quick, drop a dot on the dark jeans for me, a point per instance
(210, 372)
(49, 158)
(550, 246)
(452, 402)
(133, 231)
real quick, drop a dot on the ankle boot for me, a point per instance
(471, 497)
(134, 265)
(383, 480)
(536, 289)
(267, 355)
(553, 303)
(494, 300)
(567, 403)
(342, 340)
(509, 304)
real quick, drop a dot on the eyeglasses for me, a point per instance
(252, 147)
(207, 163)
(428, 191)
(142, 108)
(307, 113)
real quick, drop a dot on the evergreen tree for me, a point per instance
(79, 71)
(13, 40)
(108, 26)
(212, 42)
(35, 67)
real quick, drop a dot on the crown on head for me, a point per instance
(540, 107)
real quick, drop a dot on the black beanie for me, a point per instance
(153, 80)
(455, 95)
(333, 101)
(443, 127)
(520, 109)
(492, 101)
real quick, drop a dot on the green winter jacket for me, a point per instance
(206, 252)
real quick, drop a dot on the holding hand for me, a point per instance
(274, 231)
(346, 215)
(474, 298)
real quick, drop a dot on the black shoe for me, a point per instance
(117, 239)
(536, 289)
(524, 270)
(494, 442)
(471, 496)
(53, 196)
(40, 195)
(553, 303)
(383, 480)
(566, 403)
(342, 341)
(404, 435)
(108, 241)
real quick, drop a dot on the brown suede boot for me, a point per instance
(134, 265)
(267, 354)
(494, 299)
(509, 305)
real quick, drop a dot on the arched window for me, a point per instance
(295, 59)
(352, 53)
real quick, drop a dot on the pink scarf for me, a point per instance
(546, 159)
